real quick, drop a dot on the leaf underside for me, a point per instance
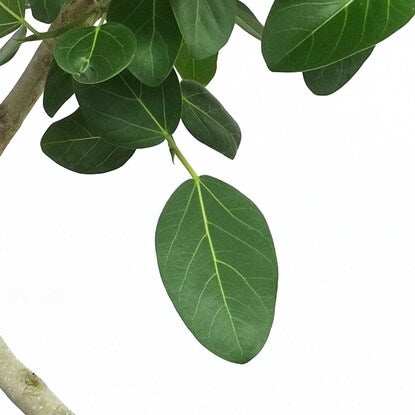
(327, 80)
(208, 121)
(217, 261)
(10, 48)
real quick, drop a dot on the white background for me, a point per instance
(81, 301)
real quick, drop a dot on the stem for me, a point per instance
(17, 105)
(25, 389)
(175, 150)
(20, 19)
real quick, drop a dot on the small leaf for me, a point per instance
(217, 261)
(9, 9)
(201, 71)
(208, 121)
(327, 80)
(46, 11)
(95, 54)
(206, 25)
(130, 114)
(58, 89)
(73, 144)
(303, 35)
(157, 33)
(11, 47)
(248, 21)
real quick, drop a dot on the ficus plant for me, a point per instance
(139, 67)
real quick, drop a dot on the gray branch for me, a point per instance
(25, 389)
(21, 99)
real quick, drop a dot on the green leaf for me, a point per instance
(46, 10)
(96, 54)
(327, 80)
(10, 48)
(206, 25)
(217, 261)
(303, 35)
(201, 71)
(11, 11)
(130, 114)
(208, 121)
(73, 144)
(248, 21)
(157, 33)
(58, 89)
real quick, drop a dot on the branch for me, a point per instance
(29, 87)
(27, 391)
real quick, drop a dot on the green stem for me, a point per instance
(182, 158)
(20, 19)
(55, 33)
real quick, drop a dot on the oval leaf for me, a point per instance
(327, 80)
(58, 89)
(217, 261)
(46, 10)
(206, 25)
(208, 121)
(10, 11)
(157, 33)
(201, 71)
(95, 54)
(303, 35)
(73, 144)
(11, 47)
(130, 114)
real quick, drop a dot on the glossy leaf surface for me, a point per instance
(8, 21)
(46, 10)
(246, 19)
(58, 89)
(303, 35)
(208, 121)
(206, 25)
(199, 70)
(157, 33)
(95, 54)
(217, 261)
(128, 113)
(73, 144)
(10, 48)
(327, 80)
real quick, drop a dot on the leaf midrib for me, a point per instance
(215, 260)
(344, 7)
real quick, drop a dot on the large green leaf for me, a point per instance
(206, 25)
(10, 48)
(217, 261)
(199, 70)
(208, 121)
(327, 80)
(10, 13)
(130, 114)
(46, 10)
(248, 21)
(58, 89)
(95, 54)
(158, 36)
(73, 144)
(303, 35)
